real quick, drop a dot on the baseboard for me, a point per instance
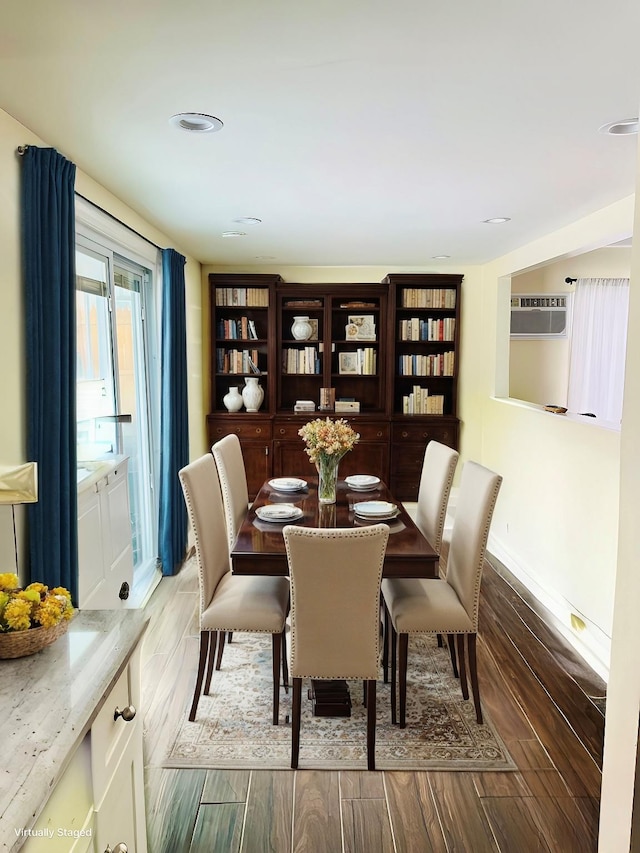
(590, 642)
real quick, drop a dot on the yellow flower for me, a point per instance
(31, 595)
(40, 588)
(8, 580)
(17, 614)
(60, 590)
(49, 613)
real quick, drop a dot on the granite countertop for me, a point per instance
(47, 704)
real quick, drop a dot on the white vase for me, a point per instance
(252, 394)
(301, 329)
(233, 399)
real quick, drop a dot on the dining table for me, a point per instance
(259, 548)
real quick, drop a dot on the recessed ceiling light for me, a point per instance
(196, 122)
(440, 257)
(234, 234)
(497, 220)
(248, 220)
(621, 128)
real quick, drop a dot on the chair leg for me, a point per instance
(221, 638)
(229, 636)
(463, 666)
(473, 672)
(393, 640)
(440, 643)
(371, 724)
(212, 656)
(285, 661)
(452, 652)
(295, 721)
(386, 638)
(205, 637)
(403, 649)
(276, 651)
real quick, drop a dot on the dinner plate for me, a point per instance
(373, 518)
(287, 484)
(375, 509)
(362, 482)
(279, 512)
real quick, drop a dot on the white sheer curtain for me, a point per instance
(598, 345)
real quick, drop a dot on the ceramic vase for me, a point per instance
(233, 399)
(252, 394)
(301, 329)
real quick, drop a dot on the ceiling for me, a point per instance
(360, 132)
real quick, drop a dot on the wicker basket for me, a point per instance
(19, 644)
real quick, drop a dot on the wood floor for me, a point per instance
(546, 704)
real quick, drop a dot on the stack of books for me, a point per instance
(304, 406)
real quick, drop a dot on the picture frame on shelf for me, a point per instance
(361, 327)
(348, 363)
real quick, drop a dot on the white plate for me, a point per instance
(371, 519)
(375, 509)
(287, 484)
(362, 481)
(279, 512)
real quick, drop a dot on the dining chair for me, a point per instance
(228, 602)
(335, 613)
(227, 453)
(446, 605)
(438, 468)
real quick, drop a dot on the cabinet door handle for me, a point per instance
(127, 714)
(119, 848)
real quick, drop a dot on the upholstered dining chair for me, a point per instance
(228, 602)
(446, 605)
(227, 453)
(438, 468)
(335, 613)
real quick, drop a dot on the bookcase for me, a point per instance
(389, 350)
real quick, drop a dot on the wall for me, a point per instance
(12, 343)
(539, 369)
(556, 521)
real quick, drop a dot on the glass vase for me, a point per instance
(327, 478)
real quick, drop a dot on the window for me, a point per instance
(117, 365)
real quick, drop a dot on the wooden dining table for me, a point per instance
(259, 548)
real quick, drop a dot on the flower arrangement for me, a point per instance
(35, 606)
(327, 441)
(326, 437)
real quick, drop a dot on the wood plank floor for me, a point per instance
(546, 703)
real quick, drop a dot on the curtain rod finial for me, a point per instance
(570, 280)
(21, 149)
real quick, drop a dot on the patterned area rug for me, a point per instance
(233, 726)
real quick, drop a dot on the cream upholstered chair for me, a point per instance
(235, 496)
(335, 612)
(447, 606)
(233, 480)
(438, 468)
(228, 602)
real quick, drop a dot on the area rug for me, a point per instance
(233, 727)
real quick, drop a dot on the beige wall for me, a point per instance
(539, 369)
(12, 343)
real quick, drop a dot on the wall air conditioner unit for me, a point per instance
(540, 315)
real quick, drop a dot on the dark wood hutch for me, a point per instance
(398, 358)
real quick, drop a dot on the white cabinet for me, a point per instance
(105, 550)
(98, 802)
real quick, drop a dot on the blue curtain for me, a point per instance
(48, 244)
(174, 422)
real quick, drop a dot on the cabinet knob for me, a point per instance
(258, 430)
(127, 714)
(119, 848)
(282, 431)
(404, 433)
(379, 433)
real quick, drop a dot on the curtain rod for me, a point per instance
(570, 280)
(119, 221)
(21, 150)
